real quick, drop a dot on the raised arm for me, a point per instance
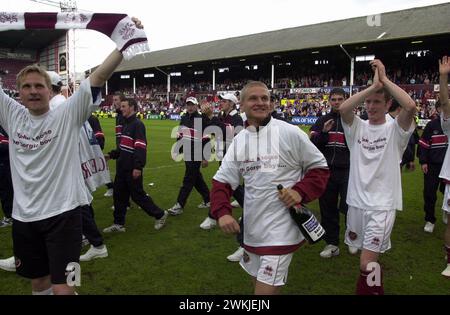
(347, 108)
(107, 68)
(444, 70)
(406, 115)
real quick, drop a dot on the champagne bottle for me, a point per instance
(306, 221)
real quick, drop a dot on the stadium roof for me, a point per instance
(29, 39)
(411, 23)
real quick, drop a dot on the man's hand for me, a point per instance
(136, 174)
(444, 66)
(377, 84)
(425, 168)
(137, 22)
(107, 157)
(381, 69)
(228, 224)
(204, 163)
(206, 109)
(328, 125)
(290, 197)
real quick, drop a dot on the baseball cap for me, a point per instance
(230, 97)
(55, 79)
(192, 99)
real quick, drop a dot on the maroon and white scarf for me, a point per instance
(129, 39)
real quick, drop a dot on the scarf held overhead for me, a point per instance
(129, 39)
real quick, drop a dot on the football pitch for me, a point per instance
(183, 259)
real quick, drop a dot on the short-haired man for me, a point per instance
(47, 222)
(432, 148)
(57, 85)
(117, 99)
(444, 70)
(192, 142)
(230, 123)
(328, 136)
(131, 158)
(267, 153)
(374, 189)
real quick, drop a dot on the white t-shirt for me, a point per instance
(45, 163)
(93, 163)
(375, 151)
(56, 101)
(279, 153)
(445, 171)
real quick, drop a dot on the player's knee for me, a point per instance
(41, 284)
(365, 265)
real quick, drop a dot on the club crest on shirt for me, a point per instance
(352, 235)
(268, 271)
(246, 257)
(17, 262)
(375, 241)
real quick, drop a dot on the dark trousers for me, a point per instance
(192, 178)
(333, 202)
(90, 229)
(431, 182)
(6, 189)
(125, 186)
(240, 236)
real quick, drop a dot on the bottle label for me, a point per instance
(313, 228)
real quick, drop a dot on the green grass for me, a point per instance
(183, 259)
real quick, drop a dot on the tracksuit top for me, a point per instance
(4, 146)
(433, 143)
(119, 126)
(190, 133)
(229, 124)
(132, 151)
(332, 144)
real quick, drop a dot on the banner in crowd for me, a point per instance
(153, 117)
(436, 87)
(222, 93)
(175, 117)
(423, 122)
(301, 120)
(326, 90)
(305, 91)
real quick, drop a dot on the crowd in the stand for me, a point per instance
(152, 100)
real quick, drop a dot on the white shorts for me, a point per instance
(271, 270)
(369, 229)
(446, 202)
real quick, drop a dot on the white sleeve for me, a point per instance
(229, 169)
(308, 155)
(350, 131)
(403, 135)
(8, 107)
(81, 105)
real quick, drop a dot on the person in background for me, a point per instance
(432, 148)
